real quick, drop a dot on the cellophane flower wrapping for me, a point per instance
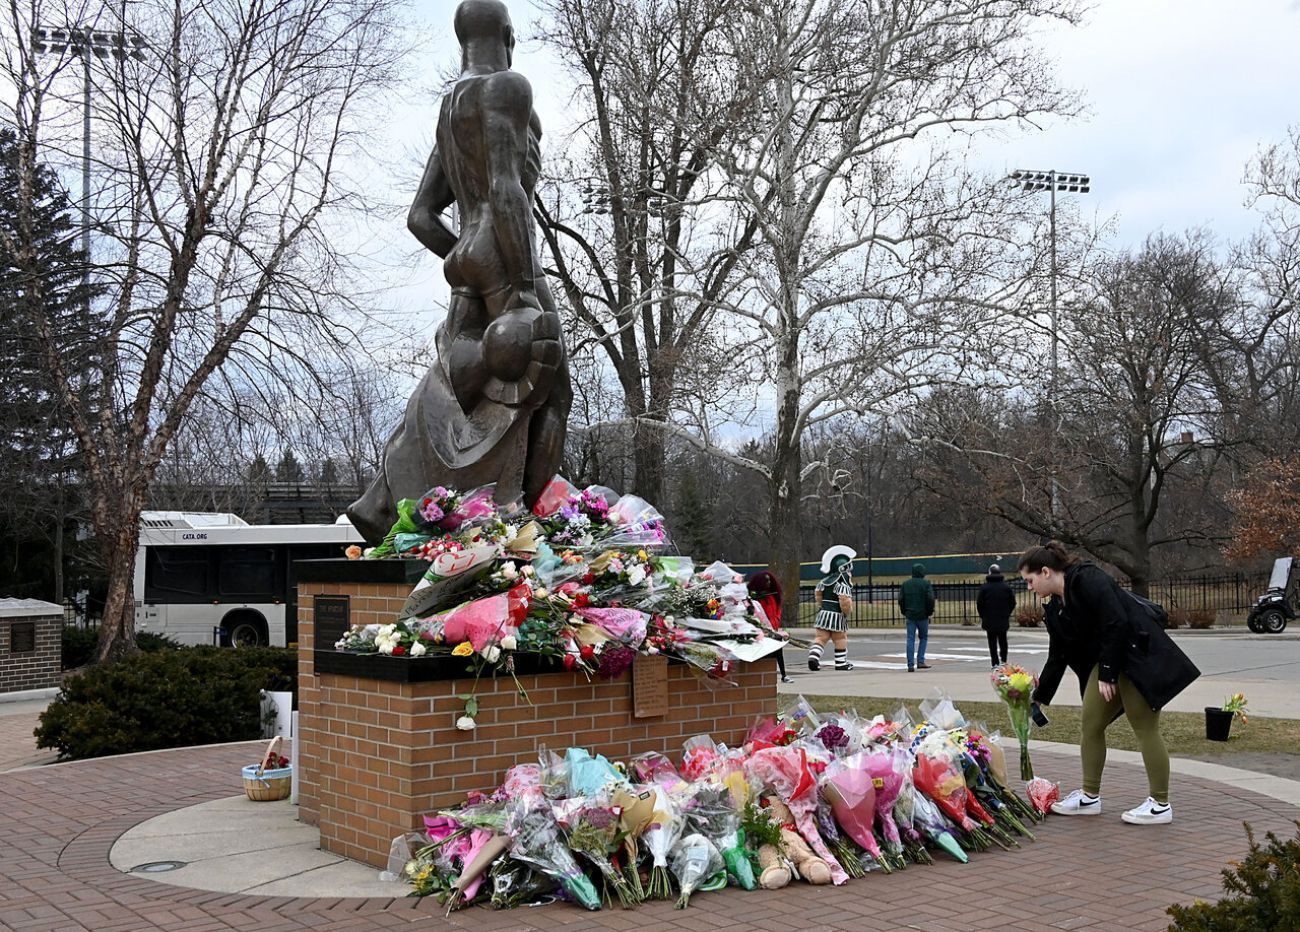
(931, 822)
(711, 812)
(623, 624)
(486, 621)
(595, 831)
(1015, 685)
(852, 794)
(694, 859)
(1042, 793)
(589, 776)
(554, 496)
(786, 771)
(535, 839)
(666, 826)
(938, 775)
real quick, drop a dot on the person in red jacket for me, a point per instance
(766, 591)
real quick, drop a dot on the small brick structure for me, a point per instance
(376, 753)
(31, 645)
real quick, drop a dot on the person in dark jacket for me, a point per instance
(1125, 662)
(916, 601)
(995, 603)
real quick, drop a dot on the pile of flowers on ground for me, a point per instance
(583, 577)
(820, 798)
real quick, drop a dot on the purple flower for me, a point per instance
(432, 512)
(832, 736)
(569, 512)
(615, 660)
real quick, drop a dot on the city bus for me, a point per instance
(207, 578)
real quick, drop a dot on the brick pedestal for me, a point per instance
(31, 645)
(376, 753)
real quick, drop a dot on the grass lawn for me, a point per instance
(1184, 731)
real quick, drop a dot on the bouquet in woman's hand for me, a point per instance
(535, 839)
(1015, 685)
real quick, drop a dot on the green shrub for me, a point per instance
(80, 644)
(165, 699)
(1263, 892)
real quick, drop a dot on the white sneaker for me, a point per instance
(1150, 813)
(1078, 804)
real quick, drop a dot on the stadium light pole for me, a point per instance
(1052, 182)
(87, 43)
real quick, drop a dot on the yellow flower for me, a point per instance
(463, 649)
(643, 555)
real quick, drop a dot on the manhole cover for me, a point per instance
(158, 867)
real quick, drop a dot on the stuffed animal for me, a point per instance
(775, 871)
(810, 867)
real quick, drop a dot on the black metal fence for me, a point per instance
(1227, 596)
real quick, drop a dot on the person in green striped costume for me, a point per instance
(834, 597)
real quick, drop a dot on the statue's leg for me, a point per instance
(546, 437)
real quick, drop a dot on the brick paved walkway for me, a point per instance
(59, 822)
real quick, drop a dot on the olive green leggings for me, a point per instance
(1098, 713)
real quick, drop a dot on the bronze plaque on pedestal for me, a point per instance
(649, 686)
(331, 616)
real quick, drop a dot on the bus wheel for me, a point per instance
(245, 629)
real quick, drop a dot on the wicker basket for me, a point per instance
(264, 786)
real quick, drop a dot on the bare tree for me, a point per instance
(223, 154)
(879, 258)
(641, 248)
(1125, 460)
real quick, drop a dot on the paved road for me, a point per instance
(1264, 667)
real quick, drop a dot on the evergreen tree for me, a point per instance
(289, 469)
(259, 470)
(692, 531)
(39, 455)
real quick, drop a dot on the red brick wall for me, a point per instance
(38, 669)
(375, 755)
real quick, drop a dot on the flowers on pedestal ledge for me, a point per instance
(581, 579)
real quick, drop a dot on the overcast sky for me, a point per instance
(1180, 94)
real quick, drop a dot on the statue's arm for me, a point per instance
(425, 217)
(508, 108)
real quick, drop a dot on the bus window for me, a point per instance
(249, 574)
(177, 574)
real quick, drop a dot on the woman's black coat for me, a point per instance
(1100, 624)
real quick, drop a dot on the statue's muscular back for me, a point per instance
(475, 114)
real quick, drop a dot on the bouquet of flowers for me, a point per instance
(1236, 704)
(851, 791)
(694, 860)
(660, 836)
(939, 776)
(711, 813)
(535, 840)
(596, 833)
(1015, 685)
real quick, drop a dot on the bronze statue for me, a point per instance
(494, 406)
